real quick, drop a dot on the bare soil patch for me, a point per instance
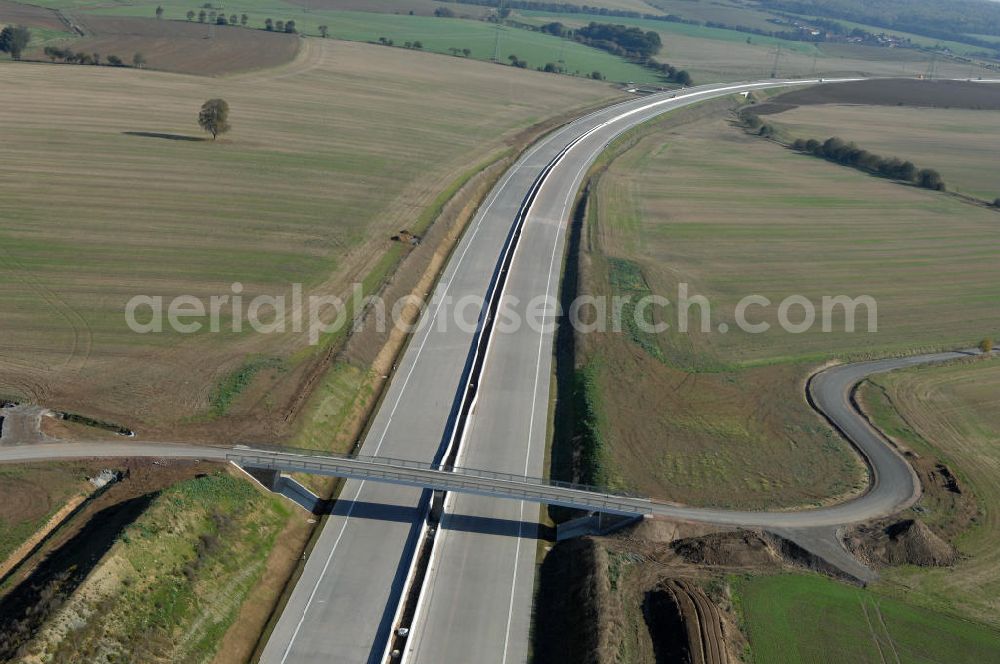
(188, 48)
(14, 13)
(892, 92)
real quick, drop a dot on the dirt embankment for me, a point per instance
(655, 593)
(892, 92)
(35, 588)
(684, 624)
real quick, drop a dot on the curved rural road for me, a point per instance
(479, 589)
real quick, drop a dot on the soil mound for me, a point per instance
(742, 548)
(907, 542)
(750, 549)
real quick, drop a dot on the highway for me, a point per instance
(344, 605)
(476, 604)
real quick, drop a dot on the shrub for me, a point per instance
(928, 178)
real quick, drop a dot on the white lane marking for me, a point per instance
(531, 420)
(402, 391)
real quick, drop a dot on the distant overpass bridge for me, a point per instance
(431, 476)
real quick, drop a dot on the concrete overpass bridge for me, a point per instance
(439, 478)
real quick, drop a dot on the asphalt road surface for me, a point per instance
(344, 605)
(477, 604)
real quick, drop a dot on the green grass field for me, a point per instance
(107, 197)
(798, 619)
(961, 144)
(949, 414)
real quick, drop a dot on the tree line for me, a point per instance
(624, 41)
(841, 152)
(848, 154)
(69, 56)
(629, 42)
(208, 15)
(219, 18)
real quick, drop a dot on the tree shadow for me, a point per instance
(169, 137)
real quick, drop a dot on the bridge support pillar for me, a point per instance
(595, 523)
(271, 479)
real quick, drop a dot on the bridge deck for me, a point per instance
(462, 480)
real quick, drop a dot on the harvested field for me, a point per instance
(15, 13)
(115, 204)
(188, 48)
(893, 92)
(962, 144)
(948, 415)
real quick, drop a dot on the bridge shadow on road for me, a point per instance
(360, 509)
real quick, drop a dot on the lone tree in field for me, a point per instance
(159, 12)
(14, 40)
(244, 19)
(214, 117)
(986, 345)
(324, 31)
(138, 60)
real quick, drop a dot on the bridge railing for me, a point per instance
(422, 465)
